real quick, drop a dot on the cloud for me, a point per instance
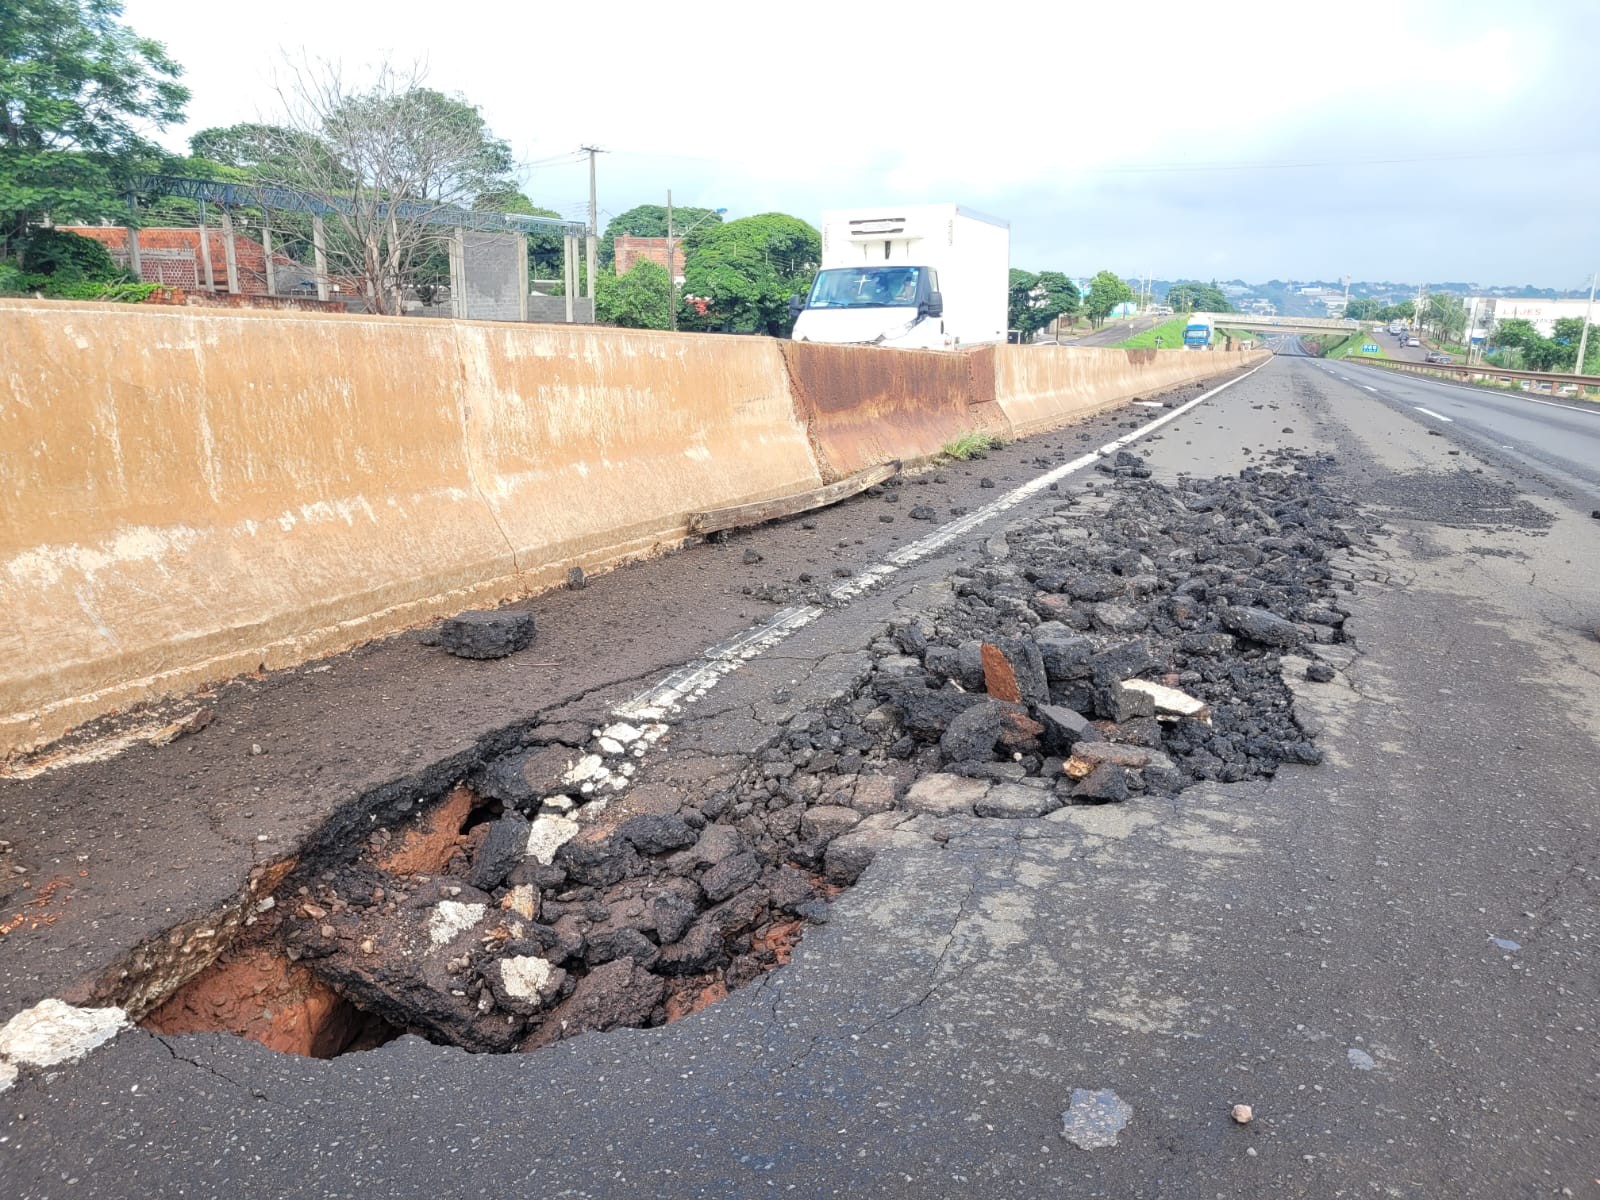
(1438, 139)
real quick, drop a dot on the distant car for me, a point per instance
(1436, 357)
(1569, 389)
(1412, 342)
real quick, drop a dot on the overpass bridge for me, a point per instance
(1283, 324)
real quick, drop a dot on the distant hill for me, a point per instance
(1298, 298)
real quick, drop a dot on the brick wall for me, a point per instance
(171, 256)
(631, 250)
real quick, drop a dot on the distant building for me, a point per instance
(1483, 312)
(631, 250)
(172, 257)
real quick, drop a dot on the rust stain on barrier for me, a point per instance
(864, 405)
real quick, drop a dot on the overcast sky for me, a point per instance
(1410, 140)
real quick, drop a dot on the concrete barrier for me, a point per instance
(194, 493)
(593, 445)
(191, 493)
(864, 405)
(1041, 387)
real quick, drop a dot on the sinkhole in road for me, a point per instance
(457, 924)
(1128, 643)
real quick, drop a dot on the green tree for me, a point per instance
(1515, 331)
(360, 149)
(78, 91)
(650, 220)
(1037, 300)
(746, 270)
(1445, 315)
(1106, 291)
(1362, 308)
(1019, 302)
(1568, 333)
(641, 299)
(1544, 354)
(68, 257)
(1192, 296)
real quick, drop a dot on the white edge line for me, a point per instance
(691, 681)
(1434, 415)
(1518, 395)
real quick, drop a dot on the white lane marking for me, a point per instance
(1373, 390)
(1436, 416)
(693, 680)
(1593, 412)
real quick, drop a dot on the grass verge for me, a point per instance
(970, 445)
(1170, 333)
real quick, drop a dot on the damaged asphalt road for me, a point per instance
(1332, 946)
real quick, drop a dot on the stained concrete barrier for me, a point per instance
(1041, 387)
(864, 405)
(592, 445)
(190, 494)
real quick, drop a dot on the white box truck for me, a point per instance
(913, 277)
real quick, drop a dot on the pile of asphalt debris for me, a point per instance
(1128, 643)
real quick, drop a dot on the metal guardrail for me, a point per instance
(1478, 371)
(260, 195)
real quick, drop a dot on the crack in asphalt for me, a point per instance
(254, 1093)
(935, 983)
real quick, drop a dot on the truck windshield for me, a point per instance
(865, 287)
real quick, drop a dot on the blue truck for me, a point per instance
(1198, 334)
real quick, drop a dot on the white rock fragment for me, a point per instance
(525, 983)
(526, 976)
(549, 834)
(590, 766)
(559, 804)
(8, 1075)
(450, 918)
(621, 732)
(610, 746)
(1171, 700)
(1243, 1114)
(51, 1033)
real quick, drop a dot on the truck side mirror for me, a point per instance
(795, 305)
(933, 306)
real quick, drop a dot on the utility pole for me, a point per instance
(594, 221)
(1583, 338)
(672, 275)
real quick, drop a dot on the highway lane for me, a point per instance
(1556, 435)
(1116, 331)
(1391, 956)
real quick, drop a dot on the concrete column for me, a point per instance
(522, 270)
(207, 278)
(134, 264)
(266, 246)
(229, 257)
(319, 244)
(569, 270)
(458, 273)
